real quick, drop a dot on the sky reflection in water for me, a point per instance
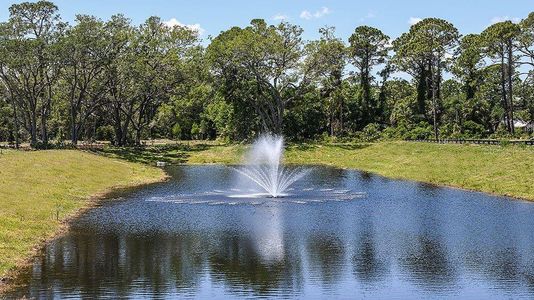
(402, 240)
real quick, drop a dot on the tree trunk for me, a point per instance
(44, 131)
(510, 86)
(138, 137)
(74, 128)
(15, 122)
(341, 105)
(118, 127)
(434, 114)
(422, 92)
(503, 94)
(33, 130)
(434, 102)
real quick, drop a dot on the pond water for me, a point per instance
(339, 234)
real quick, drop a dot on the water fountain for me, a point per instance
(264, 167)
(264, 179)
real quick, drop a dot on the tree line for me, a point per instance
(113, 80)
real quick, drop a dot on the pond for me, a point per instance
(339, 233)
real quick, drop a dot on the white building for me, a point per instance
(524, 126)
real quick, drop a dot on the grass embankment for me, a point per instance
(502, 170)
(40, 190)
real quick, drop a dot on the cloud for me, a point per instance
(195, 27)
(414, 20)
(280, 17)
(504, 18)
(306, 14)
(369, 15)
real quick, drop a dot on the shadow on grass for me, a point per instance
(169, 153)
(350, 146)
(302, 146)
(308, 146)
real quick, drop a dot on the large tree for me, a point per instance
(500, 43)
(429, 43)
(368, 48)
(144, 67)
(329, 54)
(263, 65)
(469, 63)
(84, 57)
(30, 63)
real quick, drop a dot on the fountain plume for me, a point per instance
(264, 166)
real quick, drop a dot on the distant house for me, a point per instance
(524, 126)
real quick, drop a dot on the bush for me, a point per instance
(371, 132)
(473, 130)
(176, 131)
(195, 131)
(105, 133)
(397, 132)
(422, 131)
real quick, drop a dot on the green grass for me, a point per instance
(172, 152)
(40, 189)
(502, 170)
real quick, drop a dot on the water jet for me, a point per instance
(263, 166)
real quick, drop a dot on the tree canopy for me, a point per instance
(117, 81)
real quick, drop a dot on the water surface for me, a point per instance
(393, 239)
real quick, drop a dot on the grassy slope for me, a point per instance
(37, 187)
(494, 169)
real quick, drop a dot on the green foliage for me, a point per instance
(473, 130)
(177, 131)
(221, 115)
(368, 48)
(112, 80)
(306, 119)
(259, 64)
(371, 132)
(105, 133)
(421, 131)
(195, 131)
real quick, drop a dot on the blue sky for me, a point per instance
(392, 17)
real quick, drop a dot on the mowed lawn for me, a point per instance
(39, 189)
(503, 170)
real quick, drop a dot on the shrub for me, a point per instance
(371, 132)
(473, 129)
(195, 131)
(422, 131)
(176, 131)
(396, 132)
(105, 133)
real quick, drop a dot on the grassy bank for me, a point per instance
(39, 190)
(494, 169)
(502, 170)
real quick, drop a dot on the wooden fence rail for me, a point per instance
(79, 147)
(477, 141)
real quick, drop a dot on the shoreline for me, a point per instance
(399, 178)
(12, 278)
(392, 168)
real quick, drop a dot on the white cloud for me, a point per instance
(504, 18)
(306, 14)
(195, 27)
(369, 15)
(280, 17)
(414, 20)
